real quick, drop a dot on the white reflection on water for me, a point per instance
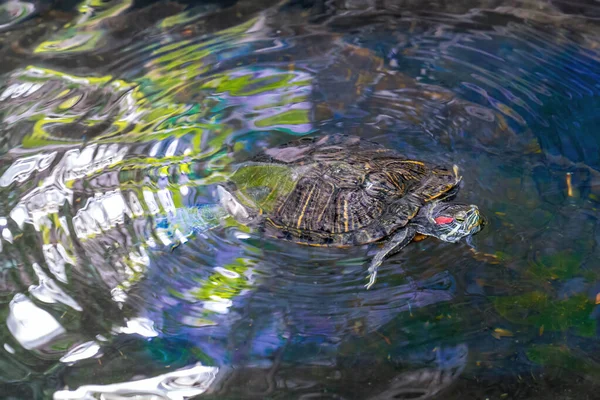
(53, 190)
(31, 326)
(217, 304)
(49, 292)
(22, 168)
(81, 352)
(101, 213)
(178, 385)
(141, 326)
(19, 89)
(56, 258)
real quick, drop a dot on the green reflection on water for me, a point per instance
(291, 117)
(540, 310)
(563, 265)
(226, 283)
(552, 355)
(86, 33)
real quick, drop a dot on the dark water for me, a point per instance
(114, 113)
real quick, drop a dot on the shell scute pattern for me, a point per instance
(350, 191)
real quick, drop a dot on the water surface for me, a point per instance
(116, 113)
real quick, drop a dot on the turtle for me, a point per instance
(339, 191)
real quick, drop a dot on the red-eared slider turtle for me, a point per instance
(343, 191)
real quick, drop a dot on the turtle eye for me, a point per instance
(460, 217)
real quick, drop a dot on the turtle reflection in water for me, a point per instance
(341, 191)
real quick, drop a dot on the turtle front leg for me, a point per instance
(394, 245)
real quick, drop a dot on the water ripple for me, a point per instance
(118, 120)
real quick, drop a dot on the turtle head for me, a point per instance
(451, 222)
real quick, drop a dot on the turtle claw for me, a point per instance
(372, 277)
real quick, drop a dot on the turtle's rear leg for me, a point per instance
(394, 245)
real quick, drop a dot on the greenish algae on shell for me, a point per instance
(260, 186)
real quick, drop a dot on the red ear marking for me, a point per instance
(443, 220)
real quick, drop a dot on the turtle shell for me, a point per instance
(337, 190)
